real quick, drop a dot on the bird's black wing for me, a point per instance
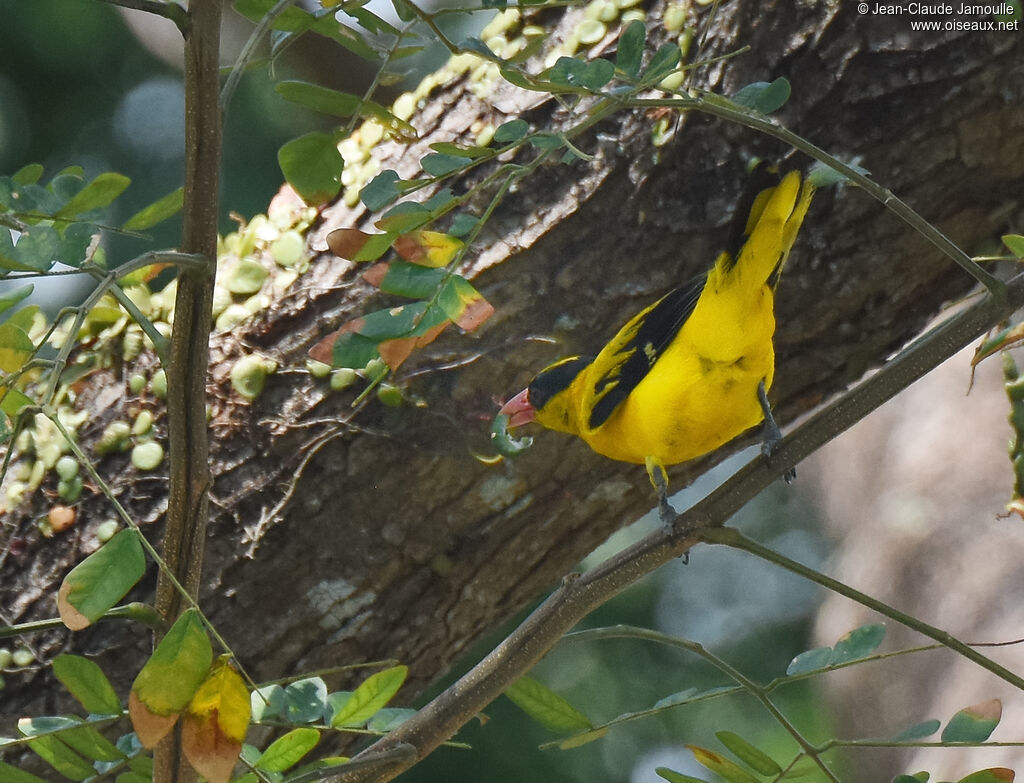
(627, 359)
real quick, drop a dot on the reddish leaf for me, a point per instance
(463, 304)
(375, 274)
(323, 351)
(475, 314)
(396, 351)
(356, 245)
(149, 727)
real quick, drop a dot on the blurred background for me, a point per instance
(904, 506)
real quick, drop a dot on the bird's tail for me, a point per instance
(772, 224)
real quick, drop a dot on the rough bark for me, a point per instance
(394, 541)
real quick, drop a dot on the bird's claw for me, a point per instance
(772, 433)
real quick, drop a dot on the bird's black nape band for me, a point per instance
(555, 379)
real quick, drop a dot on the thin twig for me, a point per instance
(165, 8)
(746, 685)
(733, 538)
(734, 113)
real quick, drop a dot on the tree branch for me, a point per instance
(579, 595)
(189, 470)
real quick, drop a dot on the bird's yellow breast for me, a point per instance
(702, 391)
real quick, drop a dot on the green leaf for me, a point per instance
(404, 12)
(305, 700)
(411, 280)
(86, 681)
(267, 702)
(478, 47)
(440, 201)
(631, 49)
(763, 97)
(91, 744)
(343, 104)
(462, 224)
(721, 766)
(753, 757)
(917, 731)
(101, 580)
(11, 774)
(546, 707)
(75, 243)
(381, 190)
(403, 217)
(437, 164)
(858, 643)
(676, 777)
(664, 60)
(286, 751)
(809, 661)
(158, 211)
(574, 72)
(177, 667)
(1015, 242)
(354, 351)
(389, 718)
(36, 251)
(312, 165)
(12, 401)
(373, 694)
(62, 758)
(511, 131)
(369, 20)
(993, 775)
(28, 175)
(319, 99)
(294, 19)
(975, 723)
(919, 777)
(547, 141)
(402, 321)
(457, 150)
(99, 193)
(46, 724)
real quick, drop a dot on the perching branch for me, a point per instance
(581, 594)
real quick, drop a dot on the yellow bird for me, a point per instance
(691, 371)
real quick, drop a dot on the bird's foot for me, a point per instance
(772, 434)
(659, 478)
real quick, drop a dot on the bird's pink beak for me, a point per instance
(519, 410)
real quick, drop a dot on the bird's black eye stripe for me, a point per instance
(555, 379)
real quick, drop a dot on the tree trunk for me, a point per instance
(339, 538)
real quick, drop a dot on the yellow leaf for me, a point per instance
(215, 723)
(428, 248)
